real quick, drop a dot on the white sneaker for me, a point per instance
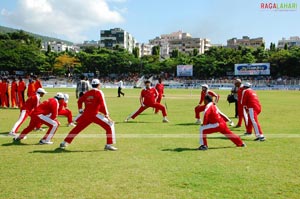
(109, 147)
(231, 123)
(63, 145)
(71, 124)
(165, 120)
(198, 121)
(45, 142)
(127, 119)
(13, 134)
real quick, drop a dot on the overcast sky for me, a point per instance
(217, 20)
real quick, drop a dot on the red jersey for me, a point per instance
(250, 99)
(160, 88)
(31, 89)
(211, 114)
(62, 106)
(14, 86)
(239, 94)
(37, 84)
(21, 86)
(3, 87)
(47, 107)
(208, 92)
(31, 103)
(149, 96)
(94, 102)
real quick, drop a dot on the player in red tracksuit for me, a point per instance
(45, 113)
(213, 122)
(160, 90)
(27, 109)
(31, 88)
(21, 92)
(64, 111)
(37, 83)
(148, 99)
(14, 93)
(200, 108)
(252, 106)
(95, 111)
(242, 115)
(4, 92)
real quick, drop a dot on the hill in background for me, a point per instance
(42, 38)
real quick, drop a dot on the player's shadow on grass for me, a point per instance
(188, 124)
(195, 149)
(16, 144)
(59, 150)
(180, 149)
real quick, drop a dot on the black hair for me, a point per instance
(95, 85)
(147, 81)
(82, 77)
(208, 98)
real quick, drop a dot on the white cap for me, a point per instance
(41, 90)
(95, 81)
(238, 81)
(247, 84)
(59, 96)
(66, 97)
(204, 85)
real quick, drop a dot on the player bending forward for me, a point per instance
(94, 102)
(213, 122)
(45, 113)
(64, 111)
(148, 99)
(200, 108)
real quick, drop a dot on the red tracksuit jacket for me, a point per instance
(160, 88)
(250, 99)
(211, 114)
(209, 92)
(49, 106)
(149, 96)
(31, 103)
(94, 103)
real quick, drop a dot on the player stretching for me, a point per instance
(45, 113)
(200, 107)
(252, 106)
(64, 111)
(160, 89)
(213, 122)
(94, 102)
(148, 99)
(27, 109)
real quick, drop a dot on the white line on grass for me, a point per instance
(120, 135)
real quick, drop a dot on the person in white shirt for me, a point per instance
(120, 86)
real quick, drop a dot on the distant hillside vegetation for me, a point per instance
(42, 38)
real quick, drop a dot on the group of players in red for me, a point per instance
(12, 95)
(95, 111)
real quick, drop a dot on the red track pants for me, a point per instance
(155, 105)
(218, 127)
(83, 121)
(67, 113)
(37, 120)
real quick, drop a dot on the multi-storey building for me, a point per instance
(245, 41)
(184, 42)
(117, 37)
(292, 41)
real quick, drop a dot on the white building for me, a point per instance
(292, 41)
(145, 49)
(117, 37)
(58, 46)
(184, 42)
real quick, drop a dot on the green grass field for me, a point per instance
(157, 160)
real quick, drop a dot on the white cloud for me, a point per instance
(68, 18)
